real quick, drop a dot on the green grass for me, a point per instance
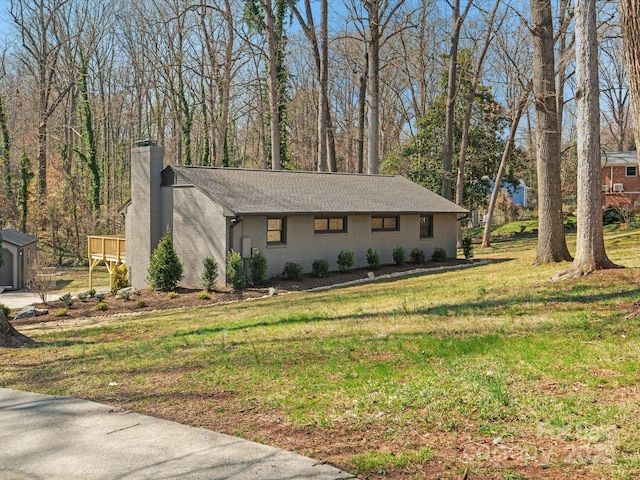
(400, 370)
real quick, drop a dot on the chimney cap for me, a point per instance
(146, 143)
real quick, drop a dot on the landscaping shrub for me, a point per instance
(258, 267)
(611, 215)
(417, 256)
(204, 296)
(399, 256)
(345, 260)
(101, 306)
(172, 295)
(62, 312)
(119, 278)
(209, 273)
(99, 296)
(141, 303)
(82, 296)
(467, 247)
(165, 268)
(235, 270)
(292, 271)
(373, 259)
(125, 295)
(319, 268)
(439, 255)
(92, 292)
(6, 310)
(66, 300)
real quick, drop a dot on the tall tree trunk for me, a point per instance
(506, 153)
(590, 251)
(464, 142)
(630, 24)
(457, 20)
(373, 117)
(362, 96)
(272, 85)
(323, 104)
(552, 246)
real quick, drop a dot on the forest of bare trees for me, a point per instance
(430, 89)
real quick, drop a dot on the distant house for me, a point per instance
(516, 193)
(287, 215)
(17, 251)
(620, 180)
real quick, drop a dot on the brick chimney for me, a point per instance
(144, 214)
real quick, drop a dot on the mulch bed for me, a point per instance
(152, 300)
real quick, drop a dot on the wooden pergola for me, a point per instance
(109, 249)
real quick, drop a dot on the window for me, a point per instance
(330, 224)
(632, 171)
(385, 224)
(276, 231)
(426, 226)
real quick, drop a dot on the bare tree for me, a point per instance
(590, 251)
(39, 29)
(552, 246)
(630, 25)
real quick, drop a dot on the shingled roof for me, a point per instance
(612, 159)
(17, 238)
(243, 191)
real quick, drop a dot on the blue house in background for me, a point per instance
(517, 193)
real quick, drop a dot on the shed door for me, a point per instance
(6, 270)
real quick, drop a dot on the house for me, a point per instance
(620, 180)
(516, 193)
(17, 251)
(289, 216)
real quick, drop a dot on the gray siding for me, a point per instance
(199, 231)
(304, 246)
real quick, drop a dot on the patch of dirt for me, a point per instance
(152, 300)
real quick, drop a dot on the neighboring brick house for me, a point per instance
(620, 180)
(290, 216)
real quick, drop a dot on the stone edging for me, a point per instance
(406, 273)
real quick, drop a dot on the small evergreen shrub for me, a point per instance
(417, 256)
(439, 255)
(467, 247)
(66, 300)
(204, 296)
(125, 295)
(345, 260)
(92, 293)
(399, 256)
(319, 268)
(6, 310)
(209, 273)
(141, 303)
(99, 296)
(373, 259)
(119, 278)
(165, 268)
(292, 271)
(82, 296)
(62, 312)
(235, 270)
(258, 267)
(101, 306)
(172, 295)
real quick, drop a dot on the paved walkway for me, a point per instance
(55, 438)
(19, 298)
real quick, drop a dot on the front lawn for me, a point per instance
(492, 370)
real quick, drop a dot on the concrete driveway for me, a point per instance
(54, 438)
(19, 298)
